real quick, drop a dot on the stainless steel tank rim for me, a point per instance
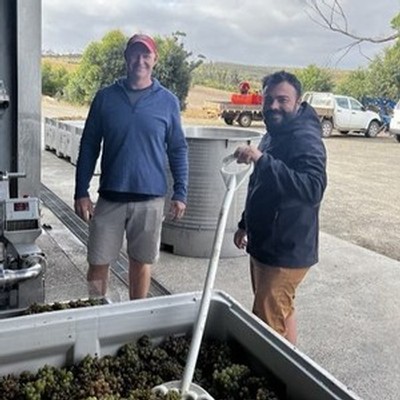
(195, 132)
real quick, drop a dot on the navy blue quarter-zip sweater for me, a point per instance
(285, 192)
(136, 141)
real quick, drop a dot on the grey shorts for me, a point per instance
(140, 220)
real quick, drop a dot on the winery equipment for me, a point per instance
(65, 337)
(22, 263)
(192, 235)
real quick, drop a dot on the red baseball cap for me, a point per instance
(148, 41)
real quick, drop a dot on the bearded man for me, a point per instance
(279, 226)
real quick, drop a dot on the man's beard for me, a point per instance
(278, 119)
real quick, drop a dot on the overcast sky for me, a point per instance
(255, 32)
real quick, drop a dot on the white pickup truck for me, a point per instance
(343, 113)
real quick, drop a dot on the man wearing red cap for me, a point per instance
(136, 122)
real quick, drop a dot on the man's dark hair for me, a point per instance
(282, 76)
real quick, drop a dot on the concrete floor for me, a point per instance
(346, 307)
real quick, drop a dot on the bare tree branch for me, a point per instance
(330, 15)
(346, 50)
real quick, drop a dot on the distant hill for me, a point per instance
(253, 72)
(227, 76)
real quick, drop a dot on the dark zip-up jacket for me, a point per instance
(136, 142)
(285, 192)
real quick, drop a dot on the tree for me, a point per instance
(174, 67)
(102, 62)
(384, 72)
(315, 79)
(330, 15)
(382, 77)
(54, 79)
(356, 84)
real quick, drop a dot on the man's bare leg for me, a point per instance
(291, 329)
(139, 279)
(97, 278)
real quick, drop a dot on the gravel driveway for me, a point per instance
(362, 200)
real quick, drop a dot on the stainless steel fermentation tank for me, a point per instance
(193, 235)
